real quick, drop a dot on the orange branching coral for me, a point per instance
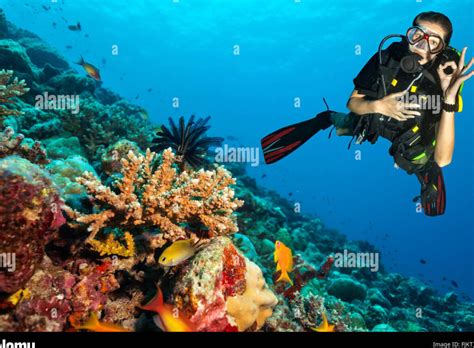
(10, 90)
(113, 247)
(162, 198)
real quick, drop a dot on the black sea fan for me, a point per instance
(187, 140)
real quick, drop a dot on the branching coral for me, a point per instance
(9, 90)
(16, 145)
(113, 247)
(174, 203)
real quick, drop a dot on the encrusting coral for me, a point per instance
(221, 290)
(9, 90)
(30, 214)
(255, 305)
(162, 198)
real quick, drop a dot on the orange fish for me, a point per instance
(325, 326)
(91, 70)
(169, 319)
(284, 261)
(93, 324)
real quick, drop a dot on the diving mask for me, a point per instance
(422, 39)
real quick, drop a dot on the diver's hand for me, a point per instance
(450, 84)
(393, 106)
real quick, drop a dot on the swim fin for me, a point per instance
(284, 141)
(433, 190)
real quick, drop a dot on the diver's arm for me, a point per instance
(390, 106)
(450, 85)
(359, 105)
(445, 139)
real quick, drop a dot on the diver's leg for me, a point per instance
(344, 123)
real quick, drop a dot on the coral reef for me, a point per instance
(134, 202)
(97, 126)
(161, 198)
(64, 173)
(30, 212)
(11, 144)
(113, 247)
(221, 290)
(8, 90)
(254, 306)
(111, 159)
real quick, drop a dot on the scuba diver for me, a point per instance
(408, 94)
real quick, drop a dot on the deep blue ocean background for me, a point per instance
(288, 49)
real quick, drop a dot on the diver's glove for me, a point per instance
(433, 191)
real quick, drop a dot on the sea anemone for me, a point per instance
(188, 141)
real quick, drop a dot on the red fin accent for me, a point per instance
(156, 303)
(270, 139)
(278, 153)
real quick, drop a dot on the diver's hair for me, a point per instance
(438, 18)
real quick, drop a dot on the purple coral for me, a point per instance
(30, 212)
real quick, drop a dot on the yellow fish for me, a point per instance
(168, 317)
(93, 324)
(177, 252)
(325, 326)
(284, 261)
(22, 294)
(91, 70)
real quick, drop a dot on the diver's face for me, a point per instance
(429, 28)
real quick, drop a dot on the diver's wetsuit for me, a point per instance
(419, 131)
(413, 141)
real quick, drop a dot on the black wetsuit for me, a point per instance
(369, 127)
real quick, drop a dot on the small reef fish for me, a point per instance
(91, 70)
(93, 324)
(325, 326)
(283, 258)
(168, 318)
(423, 262)
(75, 27)
(454, 283)
(177, 252)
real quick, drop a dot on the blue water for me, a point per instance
(287, 50)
